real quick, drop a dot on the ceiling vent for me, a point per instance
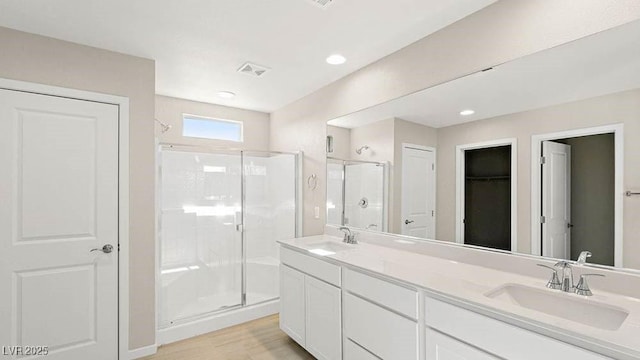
(322, 3)
(253, 69)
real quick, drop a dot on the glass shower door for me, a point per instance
(269, 215)
(201, 247)
(364, 196)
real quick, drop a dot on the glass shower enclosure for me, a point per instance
(357, 193)
(220, 214)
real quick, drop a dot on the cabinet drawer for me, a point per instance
(442, 347)
(353, 351)
(307, 264)
(385, 334)
(497, 337)
(393, 296)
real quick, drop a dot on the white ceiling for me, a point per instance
(199, 44)
(604, 63)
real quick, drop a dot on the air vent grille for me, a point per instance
(253, 69)
(322, 3)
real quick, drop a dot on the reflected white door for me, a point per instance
(418, 192)
(59, 191)
(556, 200)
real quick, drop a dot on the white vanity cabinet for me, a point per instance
(310, 304)
(379, 316)
(348, 313)
(456, 333)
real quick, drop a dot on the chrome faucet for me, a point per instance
(566, 276)
(562, 276)
(349, 238)
(554, 283)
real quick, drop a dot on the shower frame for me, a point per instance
(164, 146)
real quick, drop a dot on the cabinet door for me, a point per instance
(323, 320)
(292, 304)
(443, 347)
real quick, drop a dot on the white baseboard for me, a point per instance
(216, 322)
(143, 351)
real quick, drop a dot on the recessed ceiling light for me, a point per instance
(226, 94)
(467, 112)
(336, 59)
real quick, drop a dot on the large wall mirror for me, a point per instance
(540, 155)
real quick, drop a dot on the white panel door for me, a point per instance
(59, 191)
(556, 200)
(323, 319)
(418, 193)
(292, 303)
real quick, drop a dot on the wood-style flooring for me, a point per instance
(260, 339)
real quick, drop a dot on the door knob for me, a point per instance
(105, 249)
(407, 222)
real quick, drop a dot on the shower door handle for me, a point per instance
(407, 222)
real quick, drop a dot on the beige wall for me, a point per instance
(621, 108)
(378, 136)
(501, 32)
(38, 59)
(341, 141)
(169, 110)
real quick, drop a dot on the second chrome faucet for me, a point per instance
(562, 276)
(349, 237)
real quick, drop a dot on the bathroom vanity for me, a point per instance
(392, 298)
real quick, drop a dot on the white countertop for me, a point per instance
(465, 285)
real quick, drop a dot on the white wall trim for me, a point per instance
(460, 167)
(433, 185)
(142, 352)
(216, 322)
(536, 210)
(123, 188)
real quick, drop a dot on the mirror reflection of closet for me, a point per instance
(487, 197)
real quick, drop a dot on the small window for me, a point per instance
(207, 128)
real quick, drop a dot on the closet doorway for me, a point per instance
(576, 189)
(486, 194)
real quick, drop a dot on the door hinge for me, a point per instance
(118, 247)
(433, 213)
(244, 299)
(543, 160)
(240, 227)
(543, 219)
(433, 166)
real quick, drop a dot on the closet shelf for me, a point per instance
(488, 178)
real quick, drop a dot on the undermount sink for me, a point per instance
(325, 248)
(567, 306)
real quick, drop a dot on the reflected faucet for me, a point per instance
(349, 238)
(582, 259)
